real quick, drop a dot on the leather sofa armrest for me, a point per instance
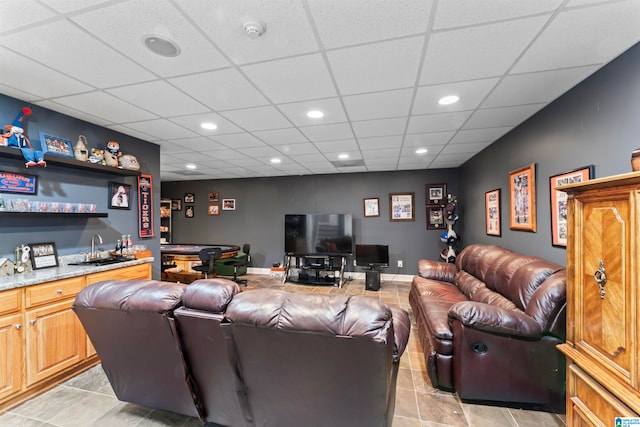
(495, 320)
(401, 329)
(437, 270)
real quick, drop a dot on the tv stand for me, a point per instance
(317, 270)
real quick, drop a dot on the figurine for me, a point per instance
(97, 156)
(112, 153)
(80, 151)
(16, 138)
(129, 162)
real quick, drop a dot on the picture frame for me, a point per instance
(213, 209)
(189, 211)
(522, 198)
(189, 198)
(558, 201)
(435, 218)
(19, 183)
(371, 207)
(435, 194)
(401, 207)
(176, 205)
(214, 196)
(228, 204)
(43, 255)
(56, 145)
(493, 214)
(119, 196)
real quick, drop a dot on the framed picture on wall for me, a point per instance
(189, 211)
(522, 198)
(213, 196)
(435, 194)
(401, 207)
(213, 209)
(559, 201)
(371, 207)
(119, 195)
(493, 217)
(435, 218)
(56, 145)
(176, 205)
(189, 198)
(228, 204)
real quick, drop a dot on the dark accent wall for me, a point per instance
(262, 203)
(64, 184)
(597, 122)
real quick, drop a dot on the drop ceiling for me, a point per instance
(375, 68)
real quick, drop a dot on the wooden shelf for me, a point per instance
(54, 214)
(52, 159)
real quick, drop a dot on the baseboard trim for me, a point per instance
(348, 275)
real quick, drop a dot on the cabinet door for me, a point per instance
(604, 325)
(11, 354)
(55, 340)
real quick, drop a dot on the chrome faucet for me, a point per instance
(93, 254)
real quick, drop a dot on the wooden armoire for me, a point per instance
(603, 300)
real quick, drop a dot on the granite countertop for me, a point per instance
(64, 271)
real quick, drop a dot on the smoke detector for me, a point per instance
(253, 29)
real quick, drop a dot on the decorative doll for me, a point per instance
(15, 137)
(129, 162)
(111, 154)
(80, 151)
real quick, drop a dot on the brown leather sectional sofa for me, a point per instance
(257, 358)
(489, 325)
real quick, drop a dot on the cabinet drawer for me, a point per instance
(140, 271)
(53, 291)
(592, 401)
(10, 301)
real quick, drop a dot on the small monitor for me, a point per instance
(373, 256)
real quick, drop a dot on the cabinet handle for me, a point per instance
(33, 322)
(59, 291)
(600, 278)
(19, 326)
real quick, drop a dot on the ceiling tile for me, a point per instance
(239, 140)
(476, 52)
(194, 121)
(375, 67)
(66, 6)
(327, 132)
(197, 144)
(541, 87)
(380, 142)
(297, 111)
(258, 118)
(589, 35)
(466, 147)
(292, 79)
(341, 146)
(297, 149)
(161, 129)
(29, 12)
(504, 116)
(162, 20)
(479, 135)
(82, 115)
(471, 94)
(106, 106)
(379, 105)
(281, 136)
(59, 44)
(458, 13)
(361, 21)
(427, 139)
(287, 32)
(167, 101)
(437, 122)
(380, 127)
(236, 91)
(381, 153)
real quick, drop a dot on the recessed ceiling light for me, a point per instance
(190, 166)
(315, 114)
(209, 126)
(276, 160)
(343, 156)
(162, 47)
(421, 151)
(447, 100)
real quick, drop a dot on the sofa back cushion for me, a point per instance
(478, 259)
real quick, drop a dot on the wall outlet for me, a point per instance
(399, 263)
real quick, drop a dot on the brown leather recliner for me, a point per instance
(316, 360)
(131, 326)
(489, 324)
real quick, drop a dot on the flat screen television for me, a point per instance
(373, 256)
(318, 234)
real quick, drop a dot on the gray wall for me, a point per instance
(261, 204)
(63, 184)
(597, 122)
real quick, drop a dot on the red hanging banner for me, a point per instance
(145, 206)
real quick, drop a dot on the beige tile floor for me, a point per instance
(87, 399)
